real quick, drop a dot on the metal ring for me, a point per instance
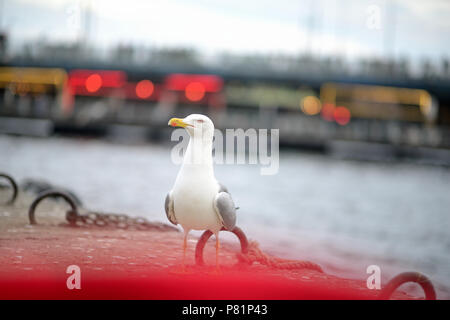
(14, 186)
(46, 194)
(404, 277)
(207, 234)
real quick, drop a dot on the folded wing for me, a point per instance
(170, 213)
(225, 209)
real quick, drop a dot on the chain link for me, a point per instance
(97, 219)
(115, 221)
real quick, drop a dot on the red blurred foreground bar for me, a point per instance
(173, 287)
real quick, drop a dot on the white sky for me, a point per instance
(412, 28)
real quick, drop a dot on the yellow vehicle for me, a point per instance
(381, 102)
(34, 90)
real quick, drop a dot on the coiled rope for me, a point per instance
(255, 254)
(251, 253)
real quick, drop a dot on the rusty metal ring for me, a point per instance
(46, 194)
(207, 234)
(14, 186)
(405, 277)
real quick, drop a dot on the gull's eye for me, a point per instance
(199, 121)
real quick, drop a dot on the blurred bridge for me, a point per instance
(317, 111)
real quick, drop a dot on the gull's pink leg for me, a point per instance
(184, 250)
(218, 270)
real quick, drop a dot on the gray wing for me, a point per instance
(170, 212)
(225, 209)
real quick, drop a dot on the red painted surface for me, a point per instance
(124, 264)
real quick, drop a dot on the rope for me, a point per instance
(254, 254)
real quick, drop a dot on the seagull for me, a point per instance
(197, 200)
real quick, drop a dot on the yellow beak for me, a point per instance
(177, 122)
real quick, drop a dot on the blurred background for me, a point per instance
(360, 91)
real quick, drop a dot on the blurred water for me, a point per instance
(344, 215)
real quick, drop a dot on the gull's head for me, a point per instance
(197, 125)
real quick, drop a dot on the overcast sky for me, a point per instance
(411, 28)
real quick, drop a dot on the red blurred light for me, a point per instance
(93, 82)
(342, 115)
(328, 111)
(144, 89)
(195, 91)
(179, 82)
